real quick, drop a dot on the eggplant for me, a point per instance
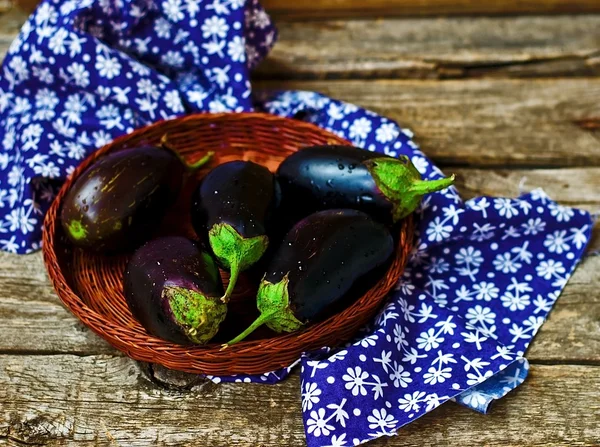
(323, 263)
(120, 199)
(173, 289)
(233, 207)
(324, 177)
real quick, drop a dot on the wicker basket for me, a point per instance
(90, 285)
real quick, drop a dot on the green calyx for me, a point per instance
(199, 316)
(235, 252)
(273, 302)
(191, 167)
(400, 181)
(76, 230)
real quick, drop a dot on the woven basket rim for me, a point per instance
(84, 312)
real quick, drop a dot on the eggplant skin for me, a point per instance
(164, 263)
(324, 177)
(325, 256)
(242, 194)
(119, 200)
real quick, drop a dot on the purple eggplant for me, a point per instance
(324, 177)
(173, 288)
(234, 206)
(323, 264)
(120, 199)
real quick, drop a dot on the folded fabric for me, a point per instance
(481, 280)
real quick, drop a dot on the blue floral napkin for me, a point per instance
(480, 282)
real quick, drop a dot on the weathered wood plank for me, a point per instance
(34, 321)
(436, 48)
(537, 46)
(361, 8)
(485, 121)
(100, 400)
(31, 315)
(386, 8)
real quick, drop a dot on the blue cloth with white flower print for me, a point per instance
(480, 282)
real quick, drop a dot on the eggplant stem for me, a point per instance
(262, 319)
(198, 164)
(234, 273)
(427, 186)
(164, 142)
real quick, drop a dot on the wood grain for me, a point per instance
(483, 122)
(105, 400)
(436, 48)
(361, 8)
(378, 8)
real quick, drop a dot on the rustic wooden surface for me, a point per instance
(480, 94)
(376, 8)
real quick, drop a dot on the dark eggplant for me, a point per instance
(322, 260)
(120, 199)
(234, 206)
(324, 177)
(173, 288)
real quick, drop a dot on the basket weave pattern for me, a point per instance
(90, 285)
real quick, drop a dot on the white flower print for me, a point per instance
(506, 264)
(474, 398)
(533, 226)
(420, 163)
(380, 419)
(486, 291)
(260, 18)
(505, 207)
(579, 236)
(437, 231)
(310, 396)
(515, 301)
(355, 379)
(101, 138)
(173, 101)
(107, 66)
(439, 266)
(437, 375)
(556, 242)
(146, 87)
(478, 314)
(469, 255)
(410, 402)
(19, 68)
(15, 175)
(45, 14)
(338, 441)
(550, 268)
(57, 41)
(561, 213)
(214, 26)
(236, 49)
(399, 376)
(172, 59)
(434, 401)
(79, 74)
(429, 340)
(9, 245)
(173, 10)
(317, 424)
(386, 132)
(162, 28)
(360, 128)
(369, 341)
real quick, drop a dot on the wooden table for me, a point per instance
(481, 94)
